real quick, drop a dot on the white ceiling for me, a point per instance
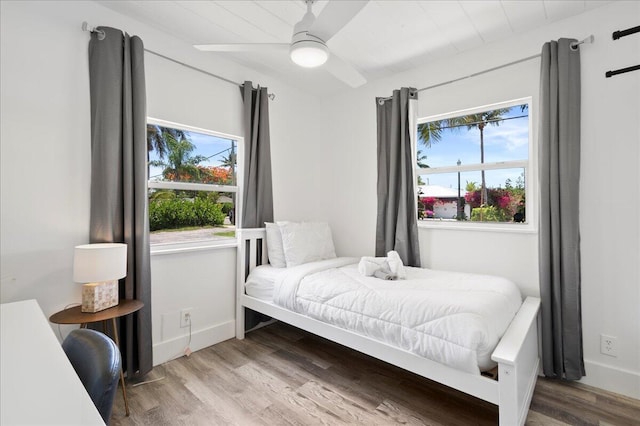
(386, 37)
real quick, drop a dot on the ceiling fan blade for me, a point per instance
(344, 71)
(242, 47)
(334, 16)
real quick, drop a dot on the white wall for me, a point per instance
(513, 253)
(610, 159)
(44, 152)
(46, 161)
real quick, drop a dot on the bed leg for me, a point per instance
(239, 322)
(516, 394)
(517, 358)
(517, 381)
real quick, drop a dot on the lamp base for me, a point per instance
(99, 296)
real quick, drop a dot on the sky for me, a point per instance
(207, 145)
(507, 141)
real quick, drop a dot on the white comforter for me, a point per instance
(452, 318)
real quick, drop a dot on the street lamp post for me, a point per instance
(459, 199)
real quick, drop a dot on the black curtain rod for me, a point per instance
(622, 71)
(619, 34)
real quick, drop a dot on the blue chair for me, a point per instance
(96, 359)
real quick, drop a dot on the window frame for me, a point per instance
(205, 244)
(529, 166)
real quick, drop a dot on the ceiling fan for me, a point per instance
(308, 46)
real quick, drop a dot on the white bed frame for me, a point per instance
(516, 353)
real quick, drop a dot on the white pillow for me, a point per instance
(274, 246)
(306, 242)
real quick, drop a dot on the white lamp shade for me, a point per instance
(99, 262)
(309, 53)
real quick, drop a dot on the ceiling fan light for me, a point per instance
(309, 54)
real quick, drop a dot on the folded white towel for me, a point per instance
(395, 265)
(384, 273)
(369, 265)
(390, 267)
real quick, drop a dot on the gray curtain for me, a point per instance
(397, 226)
(559, 219)
(119, 178)
(257, 206)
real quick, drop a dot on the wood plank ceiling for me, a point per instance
(386, 37)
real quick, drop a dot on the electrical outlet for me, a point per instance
(608, 345)
(185, 317)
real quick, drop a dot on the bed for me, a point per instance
(509, 341)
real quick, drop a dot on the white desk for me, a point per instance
(39, 385)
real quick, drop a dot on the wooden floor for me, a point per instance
(280, 375)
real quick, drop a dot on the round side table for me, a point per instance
(74, 315)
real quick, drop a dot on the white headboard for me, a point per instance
(252, 252)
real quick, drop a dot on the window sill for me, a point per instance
(191, 246)
(508, 228)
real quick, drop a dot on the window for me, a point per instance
(473, 165)
(192, 184)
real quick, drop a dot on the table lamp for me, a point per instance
(99, 267)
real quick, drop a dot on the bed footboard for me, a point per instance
(518, 363)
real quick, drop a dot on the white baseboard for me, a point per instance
(618, 380)
(200, 339)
